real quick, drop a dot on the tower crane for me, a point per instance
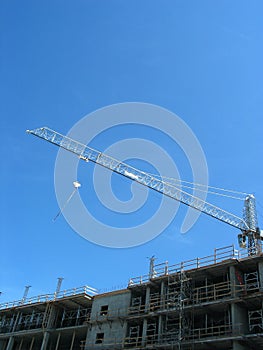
(250, 235)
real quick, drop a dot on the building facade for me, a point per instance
(213, 302)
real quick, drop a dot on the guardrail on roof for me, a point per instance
(51, 297)
(220, 254)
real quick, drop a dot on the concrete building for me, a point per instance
(213, 302)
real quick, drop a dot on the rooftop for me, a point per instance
(219, 256)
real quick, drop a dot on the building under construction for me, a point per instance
(213, 302)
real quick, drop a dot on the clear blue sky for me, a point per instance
(63, 59)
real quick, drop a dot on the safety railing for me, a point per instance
(87, 290)
(165, 339)
(212, 292)
(220, 255)
(216, 331)
(162, 269)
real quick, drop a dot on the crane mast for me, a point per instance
(250, 217)
(247, 224)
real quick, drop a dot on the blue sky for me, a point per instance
(61, 60)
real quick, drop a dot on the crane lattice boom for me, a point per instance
(87, 153)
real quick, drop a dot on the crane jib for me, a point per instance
(87, 153)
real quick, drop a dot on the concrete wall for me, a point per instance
(118, 303)
(112, 323)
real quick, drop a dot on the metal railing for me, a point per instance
(166, 339)
(162, 269)
(89, 291)
(219, 255)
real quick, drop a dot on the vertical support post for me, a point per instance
(16, 321)
(32, 316)
(60, 279)
(21, 343)
(59, 283)
(233, 280)
(78, 315)
(162, 295)
(215, 256)
(162, 305)
(233, 251)
(63, 317)
(58, 339)
(260, 274)
(25, 293)
(166, 269)
(239, 316)
(73, 339)
(206, 288)
(144, 332)
(160, 327)
(45, 341)
(49, 316)
(239, 324)
(10, 343)
(151, 268)
(32, 343)
(147, 299)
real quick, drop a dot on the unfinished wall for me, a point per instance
(108, 319)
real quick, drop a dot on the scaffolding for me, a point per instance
(251, 281)
(255, 319)
(174, 308)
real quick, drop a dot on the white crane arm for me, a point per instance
(87, 153)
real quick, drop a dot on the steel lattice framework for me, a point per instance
(246, 225)
(250, 217)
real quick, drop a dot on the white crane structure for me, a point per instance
(248, 225)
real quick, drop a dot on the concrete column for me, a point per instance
(239, 323)
(144, 332)
(45, 341)
(260, 275)
(147, 299)
(160, 327)
(239, 317)
(10, 343)
(162, 295)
